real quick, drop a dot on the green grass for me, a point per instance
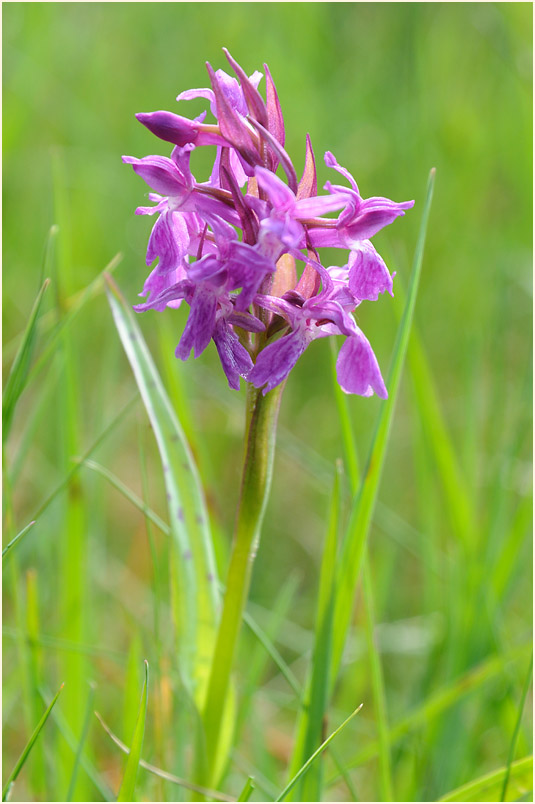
(436, 642)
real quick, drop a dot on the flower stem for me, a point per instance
(261, 425)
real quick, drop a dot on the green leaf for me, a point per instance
(488, 787)
(364, 503)
(28, 747)
(126, 791)
(193, 569)
(316, 754)
(21, 365)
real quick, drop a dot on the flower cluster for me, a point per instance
(231, 254)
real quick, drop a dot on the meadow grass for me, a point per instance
(435, 639)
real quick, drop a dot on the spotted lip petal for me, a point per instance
(368, 274)
(235, 359)
(276, 360)
(357, 369)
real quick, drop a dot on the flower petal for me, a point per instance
(160, 173)
(368, 274)
(169, 127)
(235, 358)
(277, 191)
(275, 362)
(200, 325)
(169, 240)
(357, 368)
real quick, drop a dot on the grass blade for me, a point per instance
(487, 788)
(192, 559)
(378, 685)
(28, 747)
(364, 503)
(68, 477)
(16, 538)
(377, 680)
(211, 795)
(456, 491)
(21, 365)
(73, 305)
(128, 785)
(516, 731)
(248, 788)
(129, 494)
(73, 743)
(316, 754)
(312, 716)
(442, 700)
(83, 737)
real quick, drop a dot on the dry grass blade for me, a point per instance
(169, 777)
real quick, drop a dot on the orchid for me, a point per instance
(242, 250)
(230, 255)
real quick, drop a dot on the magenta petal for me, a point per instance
(281, 154)
(164, 293)
(247, 269)
(235, 358)
(169, 127)
(331, 162)
(253, 98)
(367, 225)
(160, 173)
(232, 126)
(205, 268)
(330, 310)
(200, 326)
(169, 240)
(246, 321)
(275, 362)
(357, 368)
(368, 274)
(275, 123)
(320, 205)
(277, 191)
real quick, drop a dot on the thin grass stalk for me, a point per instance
(261, 423)
(377, 678)
(512, 747)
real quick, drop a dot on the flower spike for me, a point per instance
(230, 254)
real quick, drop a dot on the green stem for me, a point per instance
(262, 412)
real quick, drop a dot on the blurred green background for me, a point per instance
(392, 90)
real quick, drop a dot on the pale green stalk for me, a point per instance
(512, 747)
(262, 412)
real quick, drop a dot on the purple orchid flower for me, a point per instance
(230, 253)
(361, 218)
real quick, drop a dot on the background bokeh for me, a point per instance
(392, 90)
